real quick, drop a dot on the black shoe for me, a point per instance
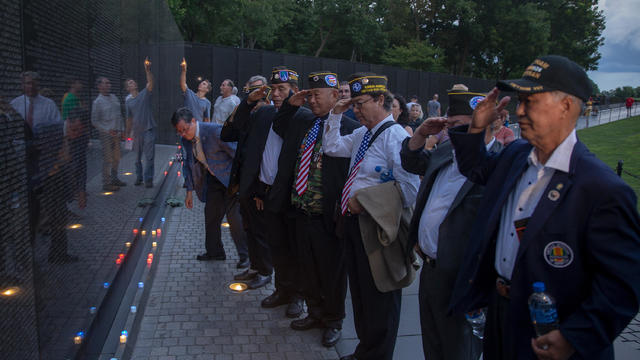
(348, 357)
(275, 299)
(208, 257)
(246, 275)
(148, 184)
(259, 281)
(138, 182)
(118, 182)
(331, 336)
(243, 264)
(295, 308)
(63, 259)
(110, 187)
(306, 323)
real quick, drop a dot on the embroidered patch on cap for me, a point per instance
(284, 75)
(331, 80)
(356, 87)
(558, 254)
(475, 101)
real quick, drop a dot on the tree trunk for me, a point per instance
(252, 43)
(323, 42)
(354, 55)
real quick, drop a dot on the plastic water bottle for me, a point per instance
(542, 308)
(385, 174)
(477, 319)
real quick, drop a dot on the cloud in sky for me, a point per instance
(619, 65)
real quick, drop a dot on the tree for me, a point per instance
(417, 55)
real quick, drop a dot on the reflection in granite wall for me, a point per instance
(52, 273)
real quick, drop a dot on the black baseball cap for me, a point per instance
(549, 73)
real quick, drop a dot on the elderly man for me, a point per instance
(445, 208)
(375, 145)
(552, 212)
(140, 120)
(206, 170)
(225, 103)
(106, 116)
(312, 189)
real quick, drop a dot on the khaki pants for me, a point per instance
(110, 156)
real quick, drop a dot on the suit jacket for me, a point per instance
(292, 124)
(219, 155)
(454, 231)
(250, 130)
(589, 212)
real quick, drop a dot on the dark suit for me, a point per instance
(212, 188)
(443, 336)
(251, 129)
(591, 211)
(320, 253)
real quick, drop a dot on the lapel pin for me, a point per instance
(554, 195)
(559, 186)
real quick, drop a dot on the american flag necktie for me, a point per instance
(346, 191)
(305, 160)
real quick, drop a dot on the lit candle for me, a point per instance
(123, 337)
(154, 244)
(128, 244)
(78, 339)
(140, 285)
(162, 219)
(178, 173)
(144, 232)
(135, 231)
(159, 231)
(153, 233)
(106, 285)
(92, 310)
(118, 261)
(134, 309)
(165, 173)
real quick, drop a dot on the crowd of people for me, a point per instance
(320, 186)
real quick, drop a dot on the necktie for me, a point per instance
(305, 160)
(30, 113)
(346, 191)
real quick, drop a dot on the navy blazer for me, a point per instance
(590, 210)
(219, 155)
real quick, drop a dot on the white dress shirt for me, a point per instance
(45, 110)
(523, 200)
(106, 113)
(445, 188)
(270, 155)
(384, 152)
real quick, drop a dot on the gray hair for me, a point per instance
(32, 74)
(255, 78)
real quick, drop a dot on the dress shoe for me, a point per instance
(138, 182)
(243, 264)
(259, 281)
(208, 257)
(118, 182)
(331, 336)
(275, 299)
(110, 187)
(245, 275)
(348, 357)
(63, 259)
(295, 308)
(306, 323)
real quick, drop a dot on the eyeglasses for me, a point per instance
(182, 130)
(358, 105)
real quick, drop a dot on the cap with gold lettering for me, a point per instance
(280, 74)
(549, 73)
(366, 83)
(323, 79)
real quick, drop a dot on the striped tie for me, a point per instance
(346, 191)
(305, 160)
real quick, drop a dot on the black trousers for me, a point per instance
(494, 345)
(255, 226)
(219, 204)
(376, 314)
(321, 255)
(281, 240)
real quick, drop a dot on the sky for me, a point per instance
(620, 62)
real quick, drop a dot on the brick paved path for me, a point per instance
(190, 313)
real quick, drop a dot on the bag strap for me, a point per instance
(382, 128)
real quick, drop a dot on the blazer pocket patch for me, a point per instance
(558, 254)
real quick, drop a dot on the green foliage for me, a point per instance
(417, 55)
(489, 38)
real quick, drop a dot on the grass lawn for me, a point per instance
(619, 140)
